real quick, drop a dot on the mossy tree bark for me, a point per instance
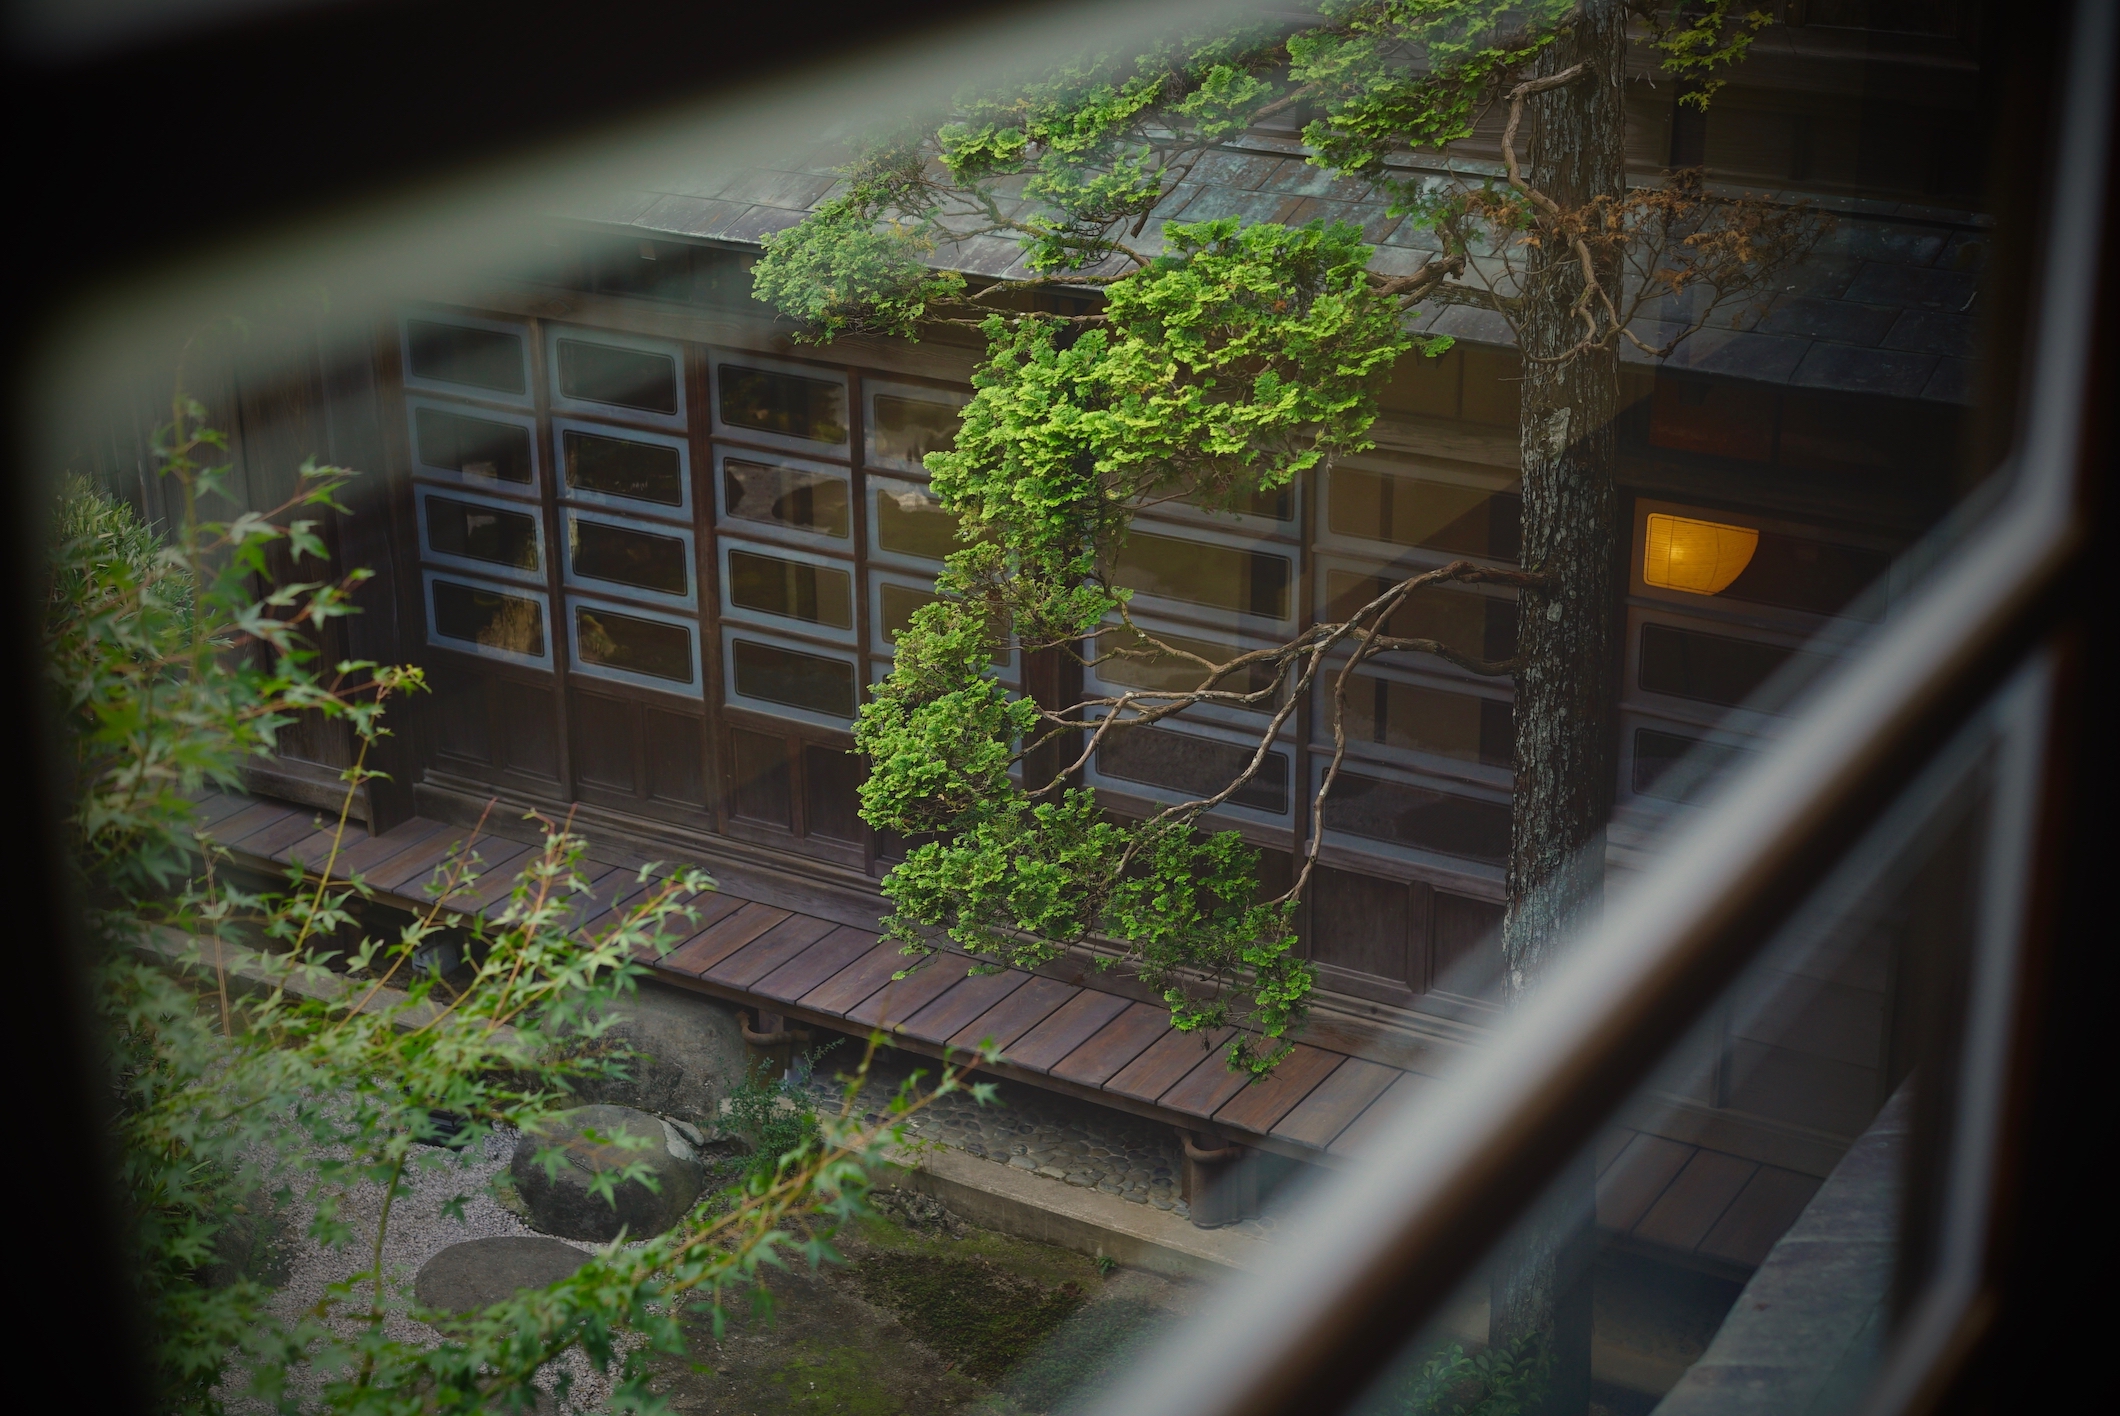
(1564, 690)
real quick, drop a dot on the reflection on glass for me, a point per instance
(787, 404)
(1416, 816)
(814, 593)
(1417, 718)
(1711, 668)
(1698, 557)
(1788, 572)
(787, 496)
(459, 354)
(910, 521)
(1406, 511)
(625, 378)
(1247, 582)
(1680, 768)
(634, 645)
(621, 467)
(775, 675)
(1196, 766)
(905, 430)
(472, 447)
(489, 618)
(458, 528)
(1125, 658)
(896, 603)
(601, 551)
(1464, 620)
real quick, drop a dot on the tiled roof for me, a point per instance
(1882, 307)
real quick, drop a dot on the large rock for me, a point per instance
(478, 1273)
(689, 1055)
(561, 1202)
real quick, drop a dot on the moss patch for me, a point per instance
(834, 1379)
(1101, 1340)
(971, 1310)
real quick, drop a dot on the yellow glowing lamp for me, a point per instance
(1698, 557)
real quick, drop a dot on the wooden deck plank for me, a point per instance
(1070, 1025)
(1099, 1057)
(311, 850)
(1257, 1107)
(707, 912)
(255, 817)
(1692, 1203)
(1208, 1087)
(1634, 1182)
(973, 995)
(1318, 1118)
(213, 806)
(1761, 1214)
(1383, 1112)
(408, 872)
(496, 879)
(863, 977)
(269, 841)
(362, 857)
(1160, 1066)
(710, 946)
(600, 880)
(1016, 1014)
(898, 999)
(621, 892)
(1610, 1142)
(828, 956)
(781, 944)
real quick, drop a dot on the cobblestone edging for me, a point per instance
(1056, 1138)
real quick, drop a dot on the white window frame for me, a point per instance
(730, 633)
(632, 506)
(422, 493)
(1448, 680)
(1093, 681)
(876, 485)
(885, 651)
(803, 629)
(841, 451)
(1236, 621)
(533, 490)
(486, 651)
(613, 589)
(1324, 563)
(527, 399)
(617, 412)
(579, 665)
(924, 393)
(773, 531)
(1459, 873)
(1453, 474)
(1149, 791)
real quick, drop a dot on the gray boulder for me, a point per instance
(561, 1202)
(689, 1055)
(478, 1273)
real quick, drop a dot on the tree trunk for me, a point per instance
(1564, 691)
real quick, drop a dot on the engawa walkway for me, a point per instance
(1074, 1037)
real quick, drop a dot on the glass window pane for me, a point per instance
(910, 521)
(626, 378)
(1418, 817)
(459, 354)
(1245, 581)
(1388, 713)
(1196, 766)
(814, 593)
(489, 618)
(897, 603)
(1680, 768)
(1465, 620)
(1380, 506)
(1711, 668)
(621, 467)
(776, 675)
(1797, 573)
(905, 430)
(787, 404)
(458, 528)
(1147, 667)
(637, 646)
(472, 447)
(602, 551)
(787, 496)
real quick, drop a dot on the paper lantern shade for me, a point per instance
(1698, 557)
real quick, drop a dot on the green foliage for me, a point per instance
(1698, 39)
(850, 269)
(1493, 1382)
(775, 1117)
(239, 1114)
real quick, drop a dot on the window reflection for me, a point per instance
(478, 448)
(796, 589)
(630, 644)
(794, 497)
(624, 378)
(462, 354)
(459, 528)
(775, 674)
(787, 404)
(489, 618)
(623, 467)
(626, 556)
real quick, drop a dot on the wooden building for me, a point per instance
(651, 551)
